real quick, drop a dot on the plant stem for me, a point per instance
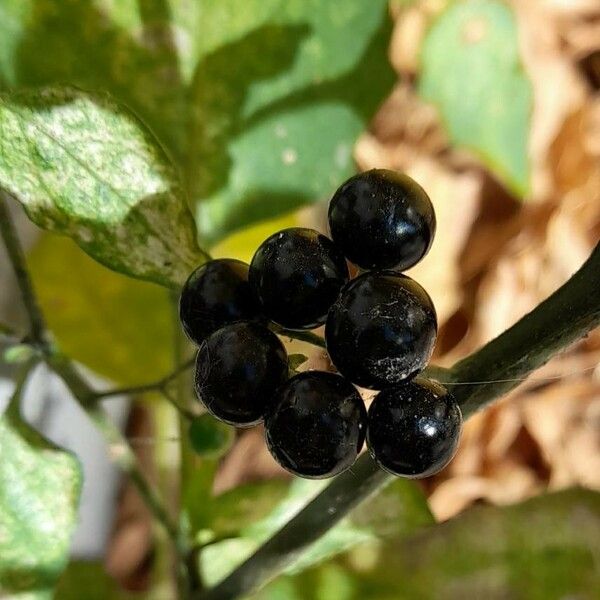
(83, 393)
(155, 386)
(566, 316)
(120, 451)
(303, 336)
(17, 259)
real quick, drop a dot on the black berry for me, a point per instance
(315, 427)
(381, 220)
(414, 428)
(381, 330)
(297, 275)
(215, 294)
(238, 369)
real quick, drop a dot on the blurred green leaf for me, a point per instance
(118, 327)
(472, 72)
(89, 580)
(18, 354)
(542, 549)
(290, 97)
(39, 494)
(401, 508)
(226, 515)
(258, 101)
(85, 167)
(209, 437)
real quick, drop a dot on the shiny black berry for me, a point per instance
(215, 294)
(414, 428)
(238, 369)
(381, 330)
(297, 275)
(381, 220)
(316, 425)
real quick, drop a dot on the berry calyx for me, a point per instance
(381, 330)
(215, 294)
(238, 369)
(414, 428)
(315, 426)
(297, 274)
(382, 219)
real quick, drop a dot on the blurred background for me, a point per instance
(266, 107)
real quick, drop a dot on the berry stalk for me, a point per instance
(566, 316)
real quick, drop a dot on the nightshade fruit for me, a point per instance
(381, 220)
(215, 294)
(381, 330)
(297, 274)
(414, 428)
(315, 426)
(238, 369)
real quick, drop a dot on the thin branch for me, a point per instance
(155, 386)
(566, 316)
(303, 336)
(17, 258)
(14, 405)
(184, 412)
(80, 389)
(119, 448)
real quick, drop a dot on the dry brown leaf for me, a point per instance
(559, 90)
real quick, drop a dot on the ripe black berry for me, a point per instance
(414, 428)
(297, 275)
(381, 330)
(215, 294)
(238, 369)
(315, 427)
(381, 220)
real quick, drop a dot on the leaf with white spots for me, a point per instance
(39, 494)
(84, 166)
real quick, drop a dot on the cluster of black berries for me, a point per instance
(380, 330)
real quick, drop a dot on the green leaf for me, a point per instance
(258, 101)
(294, 361)
(401, 507)
(209, 437)
(472, 72)
(39, 493)
(118, 327)
(90, 580)
(542, 549)
(83, 166)
(18, 354)
(280, 106)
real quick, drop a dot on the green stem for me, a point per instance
(120, 451)
(155, 386)
(14, 407)
(17, 259)
(566, 316)
(83, 393)
(303, 336)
